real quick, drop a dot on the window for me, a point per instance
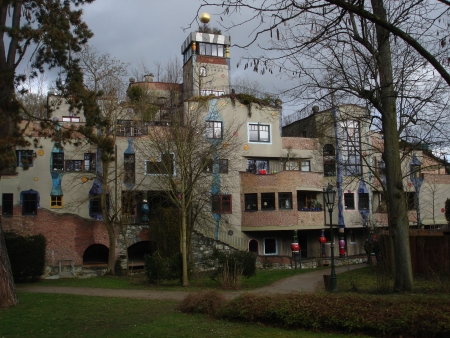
(202, 71)
(207, 92)
(56, 202)
(268, 201)
(165, 166)
(127, 202)
(352, 237)
(58, 161)
(329, 160)
(210, 49)
(89, 162)
(259, 133)
(213, 130)
(95, 207)
(351, 148)
(71, 119)
(255, 166)
(305, 200)
(363, 201)
(7, 204)
(270, 246)
(223, 166)
(221, 204)
(251, 202)
(349, 201)
(305, 165)
(291, 165)
(285, 200)
(129, 168)
(74, 165)
(209, 165)
(29, 203)
(24, 158)
(411, 200)
(131, 128)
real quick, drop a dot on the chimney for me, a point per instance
(148, 78)
(315, 109)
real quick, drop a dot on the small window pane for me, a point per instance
(285, 200)
(251, 202)
(223, 166)
(349, 200)
(306, 166)
(220, 50)
(270, 246)
(268, 201)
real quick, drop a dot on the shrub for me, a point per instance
(373, 315)
(208, 303)
(27, 256)
(156, 268)
(230, 267)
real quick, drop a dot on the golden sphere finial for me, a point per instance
(205, 17)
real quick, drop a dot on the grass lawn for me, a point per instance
(197, 283)
(46, 315)
(371, 280)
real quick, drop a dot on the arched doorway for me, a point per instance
(96, 254)
(136, 253)
(253, 246)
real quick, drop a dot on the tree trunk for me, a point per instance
(184, 253)
(8, 296)
(397, 211)
(106, 219)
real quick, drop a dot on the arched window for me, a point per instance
(329, 160)
(202, 71)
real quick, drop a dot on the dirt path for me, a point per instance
(307, 282)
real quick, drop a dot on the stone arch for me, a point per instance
(253, 246)
(136, 253)
(96, 254)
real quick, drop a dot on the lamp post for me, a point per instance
(330, 196)
(416, 178)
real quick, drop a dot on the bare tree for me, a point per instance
(359, 61)
(103, 72)
(184, 158)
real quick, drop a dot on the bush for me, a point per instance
(373, 315)
(27, 256)
(208, 303)
(156, 268)
(229, 268)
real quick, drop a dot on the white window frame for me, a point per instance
(309, 165)
(75, 119)
(249, 124)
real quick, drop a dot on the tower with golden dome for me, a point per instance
(206, 61)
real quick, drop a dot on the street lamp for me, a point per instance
(417, 178)
(330, 196)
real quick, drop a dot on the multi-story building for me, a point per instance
(268, 187)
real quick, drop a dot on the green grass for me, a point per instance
(198, 283)
(48, 315)
(371, 280)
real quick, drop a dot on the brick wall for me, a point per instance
(302, 143)
(68, 235)
(285, 181)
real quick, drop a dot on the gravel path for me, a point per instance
(307, 282)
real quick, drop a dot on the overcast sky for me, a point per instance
(152, 30)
